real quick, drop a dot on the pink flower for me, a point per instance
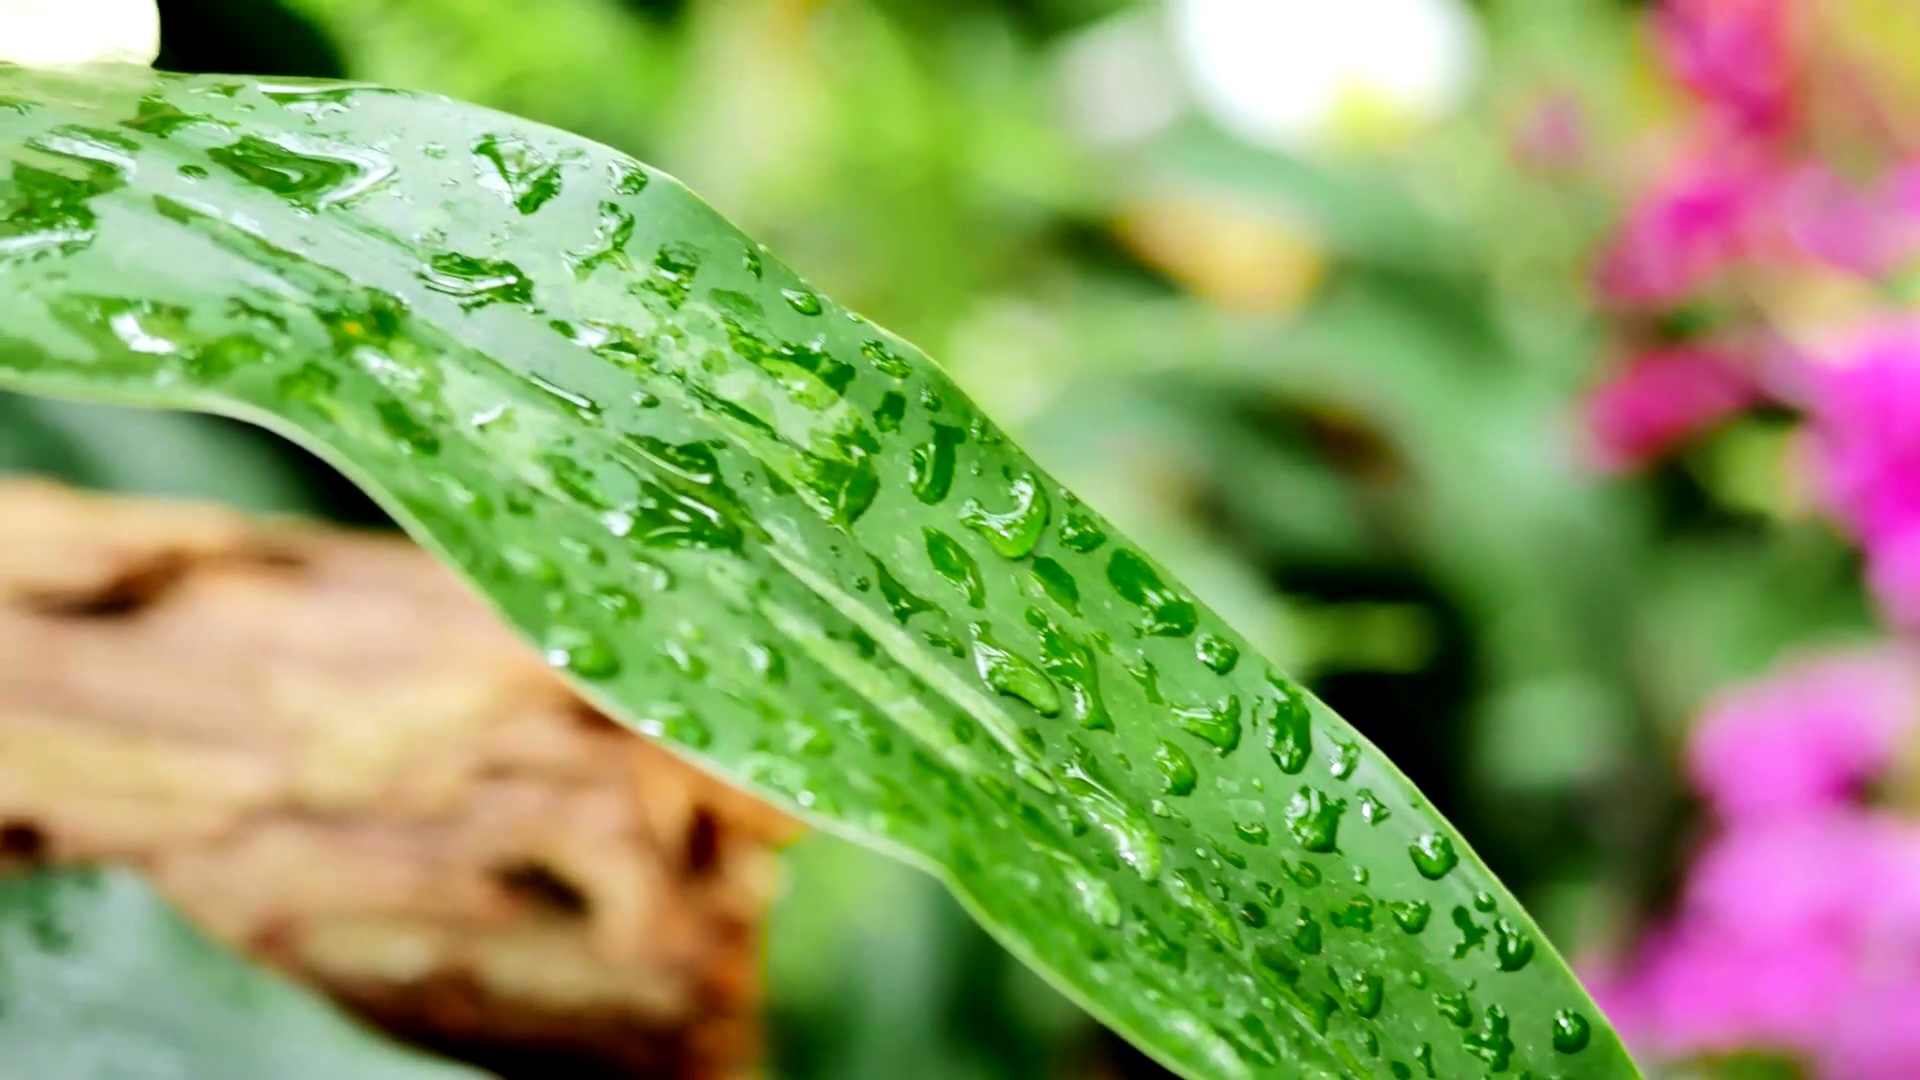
(1801, 935)
(1866, 441)
(1660, 400)
(1737, 56)
(1683, 231)
(1805, 739)
(1863, 229)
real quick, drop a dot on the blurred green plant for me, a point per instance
(101, 980)
(778, 537)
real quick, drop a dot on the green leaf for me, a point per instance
(770, 533)
(100, 980)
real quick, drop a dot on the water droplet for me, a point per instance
(951, 561)
(194, 172)
(581, 653)
(930, 465)
(618, 602)
(1217, 653)
(1177, 774)
(1073, 666)
(1411, 915)
(1365, 993)
(1372, 810)
(900, 600)
(1133, 839)
(1433, 856)
(476, 282)
(1305, 937)
(1455, 1008)
(802, 301)
(628, 177)
(1057, 583)
(1345, 756)
(1218, 723)
(1168, 614)
(1080, 532)
(1253, 915)
(517, 171)
(1491, 1043)
(1357, 915)
(609, 244)
(675, 265)
(1188, 892)
(1290, 732)
(1314, 819)
(885, 360)
(1570, 1031)
(1012, 675)
(1472, 934)
(1512, 948)
(1015, 533)
(888, 415)
(308, 173)
(1253, 832)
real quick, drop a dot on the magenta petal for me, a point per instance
(1660, 400)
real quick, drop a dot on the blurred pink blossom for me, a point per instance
(1865, 414)
(1737, 56)
(1684, 230)
(1800, 935)
(1660, 400)
(1805, 739)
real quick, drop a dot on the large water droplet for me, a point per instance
(951, 561)
(582, 653)
(930, 466)
(1177, 774)
(1433, 856)
(516, 170)
(477, 282)
(1570, 1031)
(1365, 993)
(1218, 723)
(1168, 614)
(1012, 675)
(1016, 532)
(1512, 948)
(1313, 817)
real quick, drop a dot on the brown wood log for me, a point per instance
(330, 755)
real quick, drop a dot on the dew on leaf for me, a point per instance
(1011, 675)
(1167, 613)
(1015, 532)
(1571, 1031)
(802, 301)
(1289, 731)
(930, 465)
(1057, 583)
(1313, 817)
(1411, 915)
(951, 561)
(582, 653)
(1433, 856)
(1365, 993)
(1217, 653)
(1177, 774)
(1218, 723)
(1305, 936)
(1512, 948)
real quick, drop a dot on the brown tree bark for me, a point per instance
(330, 755)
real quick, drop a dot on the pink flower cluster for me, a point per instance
(1865, 426)
(1749, 200)
(1799, 928)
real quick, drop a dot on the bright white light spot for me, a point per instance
(1291, 73)
(44, 33)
